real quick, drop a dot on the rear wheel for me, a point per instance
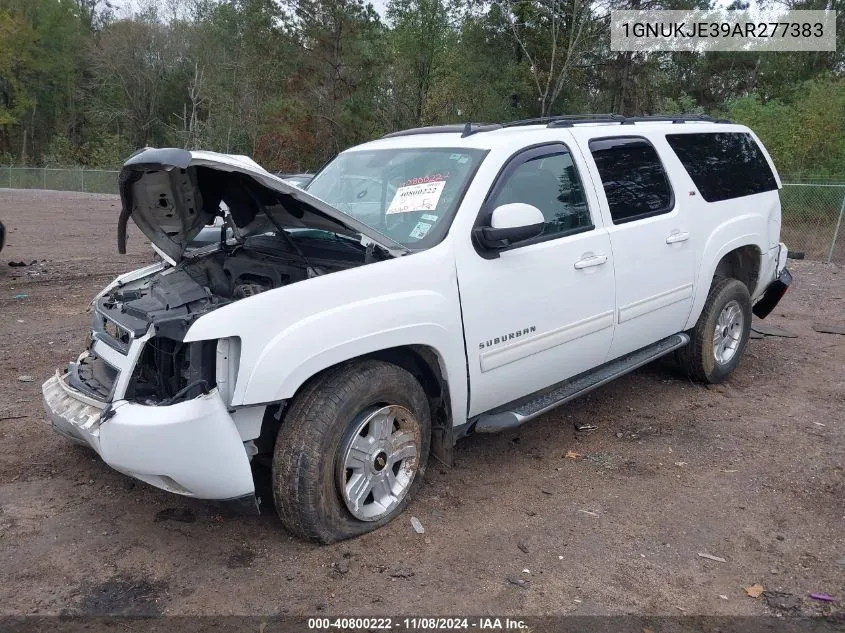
(351, 451)
(718, 339)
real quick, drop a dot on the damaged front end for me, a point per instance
(148, 402)
(146, 325)
(147, 320)
(159, 408)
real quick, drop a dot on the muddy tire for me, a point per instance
(718, 339)
(351, 451)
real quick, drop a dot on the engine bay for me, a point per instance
(209, 279)
(206, 280)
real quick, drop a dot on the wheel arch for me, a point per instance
(742, 263)
(423, 362)
(426, 365)
(740, 258)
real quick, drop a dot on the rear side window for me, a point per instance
(723, 165)
(633, 177)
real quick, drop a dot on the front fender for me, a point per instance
(350, 331)
(290, 334)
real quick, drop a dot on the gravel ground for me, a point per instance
(750, 471)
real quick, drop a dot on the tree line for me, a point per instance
(292, 82)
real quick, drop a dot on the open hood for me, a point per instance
(171, 194)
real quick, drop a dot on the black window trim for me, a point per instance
(649, 214)
(514, 161)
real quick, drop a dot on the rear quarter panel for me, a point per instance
(720, 227)
(733, 224)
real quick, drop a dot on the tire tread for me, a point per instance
(304, 505)
(695, 358)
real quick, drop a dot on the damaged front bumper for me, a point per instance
(191, 448)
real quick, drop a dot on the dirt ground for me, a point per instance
(750, 471)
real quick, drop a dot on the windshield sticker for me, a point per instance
(428, 217)
(421, 197)
(420, 230)
(431, 178)
(456, 157)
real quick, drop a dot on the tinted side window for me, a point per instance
(723, 165)
(550, 183)
(634, 180)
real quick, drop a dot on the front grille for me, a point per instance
(93, 376)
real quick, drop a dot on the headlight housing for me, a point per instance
(170, 371)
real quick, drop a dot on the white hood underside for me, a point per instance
(171, 194)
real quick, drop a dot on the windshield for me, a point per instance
(409, 195)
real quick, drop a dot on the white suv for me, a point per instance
(432, 283)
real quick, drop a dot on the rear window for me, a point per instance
(723, 165)
(633, 178)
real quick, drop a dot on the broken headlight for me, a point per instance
(170, 371)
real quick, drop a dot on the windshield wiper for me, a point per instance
(292, 244)
(353, 223)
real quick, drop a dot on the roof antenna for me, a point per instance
(467, 130)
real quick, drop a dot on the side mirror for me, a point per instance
(511, 223)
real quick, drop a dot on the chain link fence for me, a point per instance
(59, 179)
(812, 219)
(812, 210)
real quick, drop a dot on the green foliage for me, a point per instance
(107, 152)
(804, 134)
(18, 42)
(418, 46)
(683, 104)
(292, 82)
(61, 152)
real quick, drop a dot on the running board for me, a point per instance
(521, 411)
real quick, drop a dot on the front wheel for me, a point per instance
(718, 339)
(351, 451)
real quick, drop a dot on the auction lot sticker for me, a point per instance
(420, 197)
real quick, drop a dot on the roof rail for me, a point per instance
(431, 129)
(469, 130)
(571, 120)
(630, 120)
(563, 120)
(466, 129)
(674, 118)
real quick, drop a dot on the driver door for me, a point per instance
(542, 310)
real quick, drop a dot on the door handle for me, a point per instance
(593, 260)
(677, 236)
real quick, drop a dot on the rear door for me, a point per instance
(650, 234)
